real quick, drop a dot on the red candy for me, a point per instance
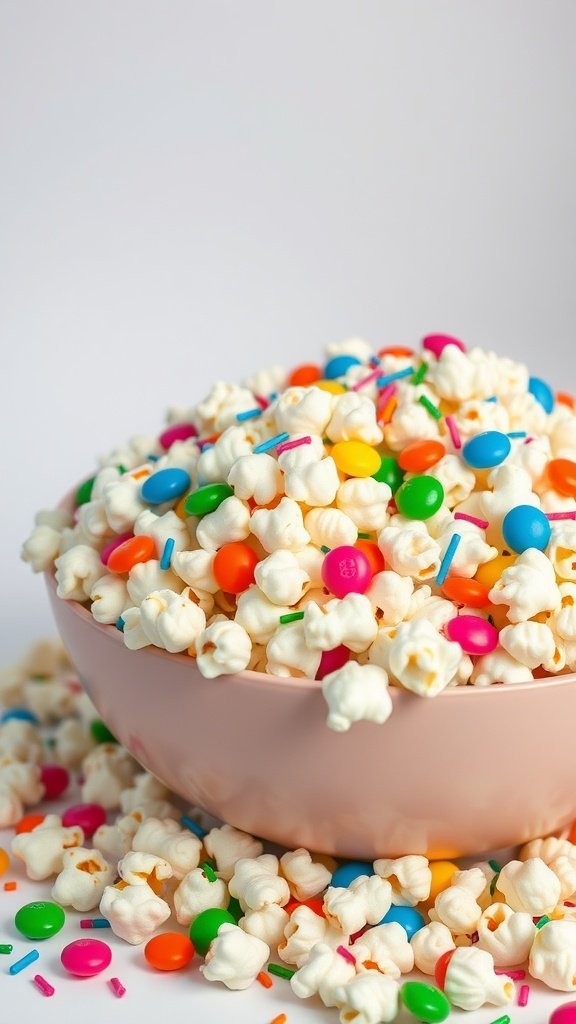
(178, 432)
(88, 816)
(373, 554)
(475, 635)
(29, 822)
(316, 904)
(128, 554)
(304, 375)
(55, 780)
(441, 969)
(565, 1014)
(234, 566)
(332, 660)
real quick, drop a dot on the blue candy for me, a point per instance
(165, 485)
(22, 714)
(338, 366)
(409, 918)
(542, 393)
(486, 450)
(526, 527)
(346, 873)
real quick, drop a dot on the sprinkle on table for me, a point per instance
(45, 987)
(502, 1020)
(6, 948)
(280, 1019)
(453, 431)
(167, 553)
(193, 826)
(10, 886)
(24, 961)
(281, 972)
(117, 987)
(448, 559)
(524, 995)
(287, 446)
(430, 407)
(512, 974)
(250, 414)
(272, 442)
(382, 382)
(95, 922)
(291, 617)
(264, 979)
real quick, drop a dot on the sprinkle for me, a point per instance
(554, 516)
(407, 372)
(528, 440)
(543, 920)
(270, 443)
(524, 995)
(386, 395)
(420, 374)
(120, 623)
(324, 549)
(140, 474)
(430, 407)
(502, 1020)
(513, 975)
(209, 871)
(346, 954)
(262, 402)
(25, 961)
(167, 553)
(495, 866)
(567, 903)
(95, 922)
(291, 617)
(152, 458)
(117, 987)
(482, 523)
(491, 399)
(494, 883)
(45, 987)
(374, 361)
(273, 395)
(250, 414)
(448, 559)
(264, 979)
(517, 433)
(10, 886)
(389, 410)
(288, 445)
(453, 431)
(364, 536)
(193, 826)
(6, 948)
(366, 380)
(280, 1019)
(281, 972)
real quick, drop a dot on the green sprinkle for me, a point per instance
(121, 469)
(502, 1020)
(494, 883)
(209, 871)
(7, 948)
(324, 549)
(420, 374)
(326, 440)
(281, 972)
(40, 679)
(430, 407)
(495, 866)
(543, 920)
(364, 536)
(291, 617)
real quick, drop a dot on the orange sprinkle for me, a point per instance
(388, 410)
(264, 979)
(10, 886)
(565, 399)
(140, 474)
(280, 1019)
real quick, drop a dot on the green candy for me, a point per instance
(389, 473)
(207, 499)
(206, 926)
(425, 1002)
(101, 733)
(235, 909)
(84, 492)
(420, 497)
(39, 920)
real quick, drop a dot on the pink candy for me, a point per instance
(346, 570)
(112, 545)
(55, 780)
(88, 816)
(332, 660)
(179, 432)
(436, 343)
(474, 634)
(86, 957)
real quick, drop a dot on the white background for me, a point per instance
(191, 190)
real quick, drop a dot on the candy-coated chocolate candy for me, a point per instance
(331, 386)
(316, 904)
(420, 456)
(441, 968)
(562, 476)
(442, 872)
(177, 432)
(373, 554)
(565, 1014)
(233, 567)
(205, 927)
(100, 732)
(542, 393)
(4, 861)
(86, 957)
(338, 366)
(207, 499)
(398, 351)
(354, 458)
(235, 909)
(165, 485)
(29, 822)
(420, 497)
(332, 660)
(408, 917)
(169, 952)
(389, 473)
(39, 920)
(346, 873)
(305, 375)
(88, 816)
(112, 545)
(474, 634)
(526, 527)
(84, 492)
(55, 780)
(471, 593)
(436, 343)
(491, 572)
(487, 449)
(138, 549)
(426, 1003)
(21, 714)
(345, 570)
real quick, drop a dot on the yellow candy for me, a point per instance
(4, 861)
(331, 386)
(356, 458)
(442, 871)
(491, 572)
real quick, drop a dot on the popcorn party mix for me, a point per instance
(391, 519)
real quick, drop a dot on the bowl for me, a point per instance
(470, 770)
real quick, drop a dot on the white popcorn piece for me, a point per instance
(356, 347)
(109, 597)
(20, 785)
(355, 693)
(354, 419)
(421, 659)
(506, 934)
(528, 587)
(48, 699)
(228, 845)
(410, 878)
(73, 741)
(165, 839)
(135, 912)
(313, 482)
(553, 956)
(365, 901)
(288, 653)
(256, 883)
(475, 417)
(458, 481)
(410, 422)
(108, 769)
(306, 878)
(265, 382)
(365, 502)
(41, 548)
(280, 527)
(459, 376)
(330, 527)
(145, 787)
(235, 958)
(390, 596)
(93, 521)
(435, 610)
(530, 643)
(529, 886)
(141, 868)
(302, 932)
(122, 502)
(368, 999)
(564, 622)
(304, 411)
(456, 907)
(472, 550)
(181, 455)
(224, 647)
(267, 924)
(499, 667)
(131, 454)
(429, 944)
(323, 974)
(229, 523)
(533, 458)
(218, 410)
(115, 841)
(171, 621)
(133, 635)
(349, 621)
(256, 476)
(258, 615)
(161, 527)
(471, 981)
(562, 551)
(386, 947)
(20, 741)
(548, 850)
(196, 569)
(197, 893)
(216, 462)
(76, 572)
(525, 412)
(410, 550)
(42, 850)
(84, 876)
(281, 578)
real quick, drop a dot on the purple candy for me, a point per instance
(474, 634)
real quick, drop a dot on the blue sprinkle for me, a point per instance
(374, 361)
(493, 399)
(193, 826)
(100, 922)
(21, 714)
(383, 381)
(272, 396)
(205, 447)
(152, 458)
(167, 553)
(448, 559)
(251, 414)
(19, 965)
(271, 443)
(517, 433)
(120, 623)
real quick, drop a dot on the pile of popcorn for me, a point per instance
(261, 483)
(298, 908)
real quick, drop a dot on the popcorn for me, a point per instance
(303, 411)
(324, 973)
(48, 699)
(410, 550)
(472, 550)
(256, 883)
(115, 841)
(161, 528)
(422, 660)
(264, 382)
(122, 502)
(92, 520)
(349, 621)
(280, 527)
(390, 596)
(145, 869)
(565, 617)
(267, 924)
(73, 741)
(109, 597)
(365, 502)
(313, 482)
(165, 839)
(41, 548)
(367, 999)
(330, 527)
(457, 480)
(20, 741)
(230, 522)
(354, 419)
(281, 578)
(356, 692)
(195, 568)
(302, 932)
(108, 769)
(506, 934)
(171, 621)
(228, 845)
(530, 643)
(135, 912)
(386, 948)
(42, 850)
(257, 477)
(528, 587)
(131, 454)
(356, 347)
(456, 907)
(143, 789)
(499, 667)
(19, 785)
(82, 880)
(305, 877)
(258, 615)
(288, 653)
(133, 635)
(77, 570)
(529, 886)
(562, 552)
(235, 958)
(410, 422)
(553, 955)
(410, 878)
(471, 981)
(511, 486)
(197, 893)
(475, 417)
(224, 647)
(429, 944)
(216, 462)
(366, 900)
(548, 850)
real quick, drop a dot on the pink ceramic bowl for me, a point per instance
(471, 770)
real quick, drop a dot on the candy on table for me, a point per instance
(86, 957)
(40, 920)
(169, 951)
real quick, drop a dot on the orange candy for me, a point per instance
(29, 822)
(304, 375)
(471, 593)
(373, 554)
(234, 566)
(169, 951)
(400, 351)
(562, 476)
(132, 551)
(572, 833)
(4, 861)
(420, 456)
(316, 904)
(565, 399)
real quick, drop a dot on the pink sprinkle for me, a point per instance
(554, 516)
(514, 975)
(453, 430)
(567, 903)
(45, 987)
(524, 995)
(528, 440)
(482, 523)
(366, 380)
(293, 444)
(117, 987)
(386, 395)
(86, 922)
(346, 954)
